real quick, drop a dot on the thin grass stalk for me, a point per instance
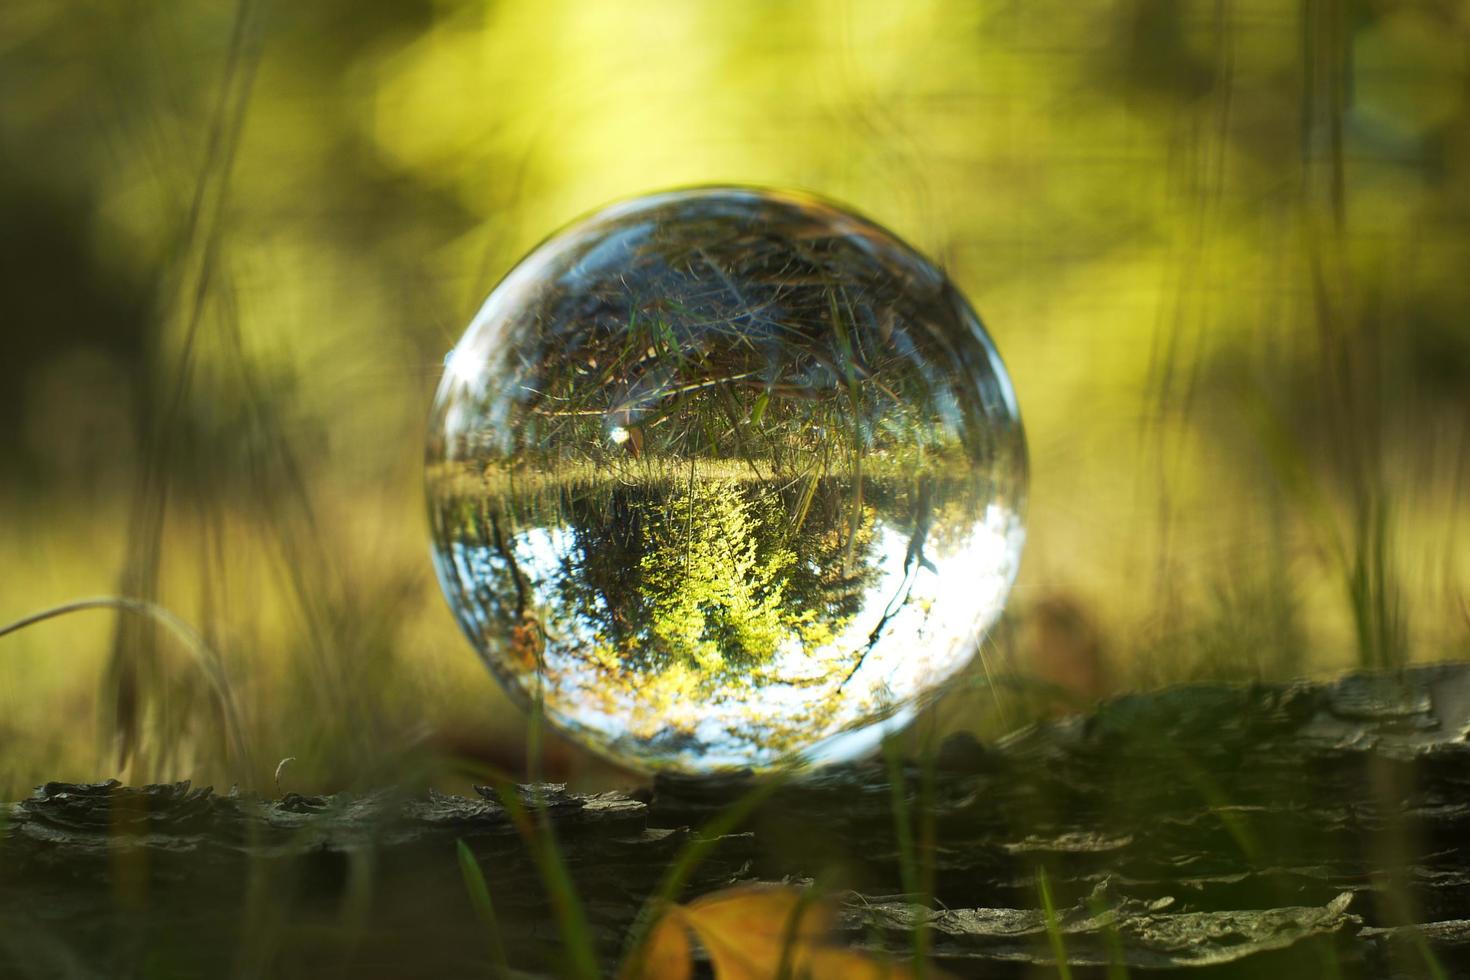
(1112, 942)
(479, 891)
(203, 655)
(908, 860)
(1053, 926)
(687, 861)
(928, 845)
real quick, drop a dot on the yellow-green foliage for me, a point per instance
(1220, 245)
(713, 590)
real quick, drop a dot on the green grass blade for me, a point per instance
(928, 844)
(689, 858)
(571, 918)
(540, 838)
(908, 859)
(205, 658)
(1112, 942)
(474, 883)
(1053, 926)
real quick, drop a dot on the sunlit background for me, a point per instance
(1221, 244)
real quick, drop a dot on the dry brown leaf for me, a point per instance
(769, 911)
(732, 961)
(665, 953)
(748, 931)
(754, 933)
(835, 963)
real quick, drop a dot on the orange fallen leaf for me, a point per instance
(665, 955)
(828, 963)
(747, 931)
(755, 933)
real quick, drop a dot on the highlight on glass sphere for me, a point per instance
(730, 479)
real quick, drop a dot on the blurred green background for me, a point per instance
(1222, 245)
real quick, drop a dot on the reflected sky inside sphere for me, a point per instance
(731, 477)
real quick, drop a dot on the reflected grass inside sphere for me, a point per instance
(731, 478)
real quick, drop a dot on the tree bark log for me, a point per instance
(1198, 831)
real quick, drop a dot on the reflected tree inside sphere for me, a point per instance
(729, 478)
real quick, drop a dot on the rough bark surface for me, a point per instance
(1200, 831)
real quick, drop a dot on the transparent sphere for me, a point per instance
(729, 478)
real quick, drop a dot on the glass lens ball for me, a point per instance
(730, 479)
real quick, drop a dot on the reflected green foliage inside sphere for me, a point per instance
(731, 478)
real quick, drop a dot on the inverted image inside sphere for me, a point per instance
(732, 478)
